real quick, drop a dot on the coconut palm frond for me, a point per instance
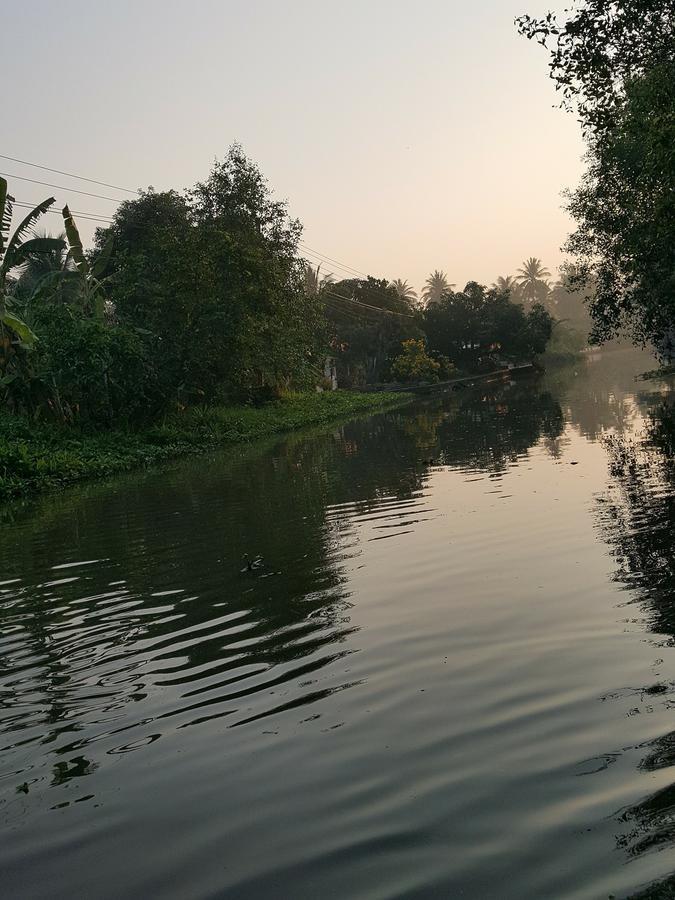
(314, 281)
(404, 290)
(436, 286)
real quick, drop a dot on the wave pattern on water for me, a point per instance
(396, 659)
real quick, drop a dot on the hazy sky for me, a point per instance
(405, 136)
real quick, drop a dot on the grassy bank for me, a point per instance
(42, 457)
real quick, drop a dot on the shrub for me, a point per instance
(414, 364)
(88, 371)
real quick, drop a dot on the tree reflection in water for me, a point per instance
(163, 606)
(638, 521)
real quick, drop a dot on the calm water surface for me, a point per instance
(452, 675)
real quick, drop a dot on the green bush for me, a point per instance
(88, 371)
(38, 456)
(414, 364)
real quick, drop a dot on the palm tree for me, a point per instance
(314, 281)
(405, 291)
(505, 283)
(37, 266)
(435, 287)
(531, 278)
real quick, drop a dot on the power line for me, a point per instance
(69, 174)
(341, 314)
(389, 312)
(340, 265)
(90, 217)
(93, 217)
(343, 272)
(83, 215)
(60, 187)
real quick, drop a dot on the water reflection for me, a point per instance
(637, 518)
(125, 612)
(139, 654)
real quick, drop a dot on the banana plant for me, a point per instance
(14, 251)
(92, 284)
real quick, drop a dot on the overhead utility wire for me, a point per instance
(333, 269)
(60, 187)
(328, 259)
(93, 217)
(343, 266)
(69, 174)
(83, 215)
(379, 309)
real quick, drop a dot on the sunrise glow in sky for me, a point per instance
(406, 137)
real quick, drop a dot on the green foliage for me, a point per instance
(625, 241)
(16, 336)
(214, 274)
(615, 64)
(88, 286)
(367, 321)
(598, 48)
(92, 371)
(474, 324)
(414, 364)
(531, 278)
(35, 457)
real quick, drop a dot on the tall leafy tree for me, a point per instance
(214, 274)
(615, 66)
(466, 324)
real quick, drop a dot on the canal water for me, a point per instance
(450, 674)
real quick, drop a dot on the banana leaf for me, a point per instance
(19, 327)
(5, 214)
(35, 246)
(15, 241)
(103, 258)
(75, 243)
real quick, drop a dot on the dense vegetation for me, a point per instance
(196, 310)
(186, 298)
(37, 456)
(473, 325)
(615, 65)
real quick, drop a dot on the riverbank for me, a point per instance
(39, 457)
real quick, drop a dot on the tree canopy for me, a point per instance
(614, 63)
(474, 322)
(214, 275)
(367, 321)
